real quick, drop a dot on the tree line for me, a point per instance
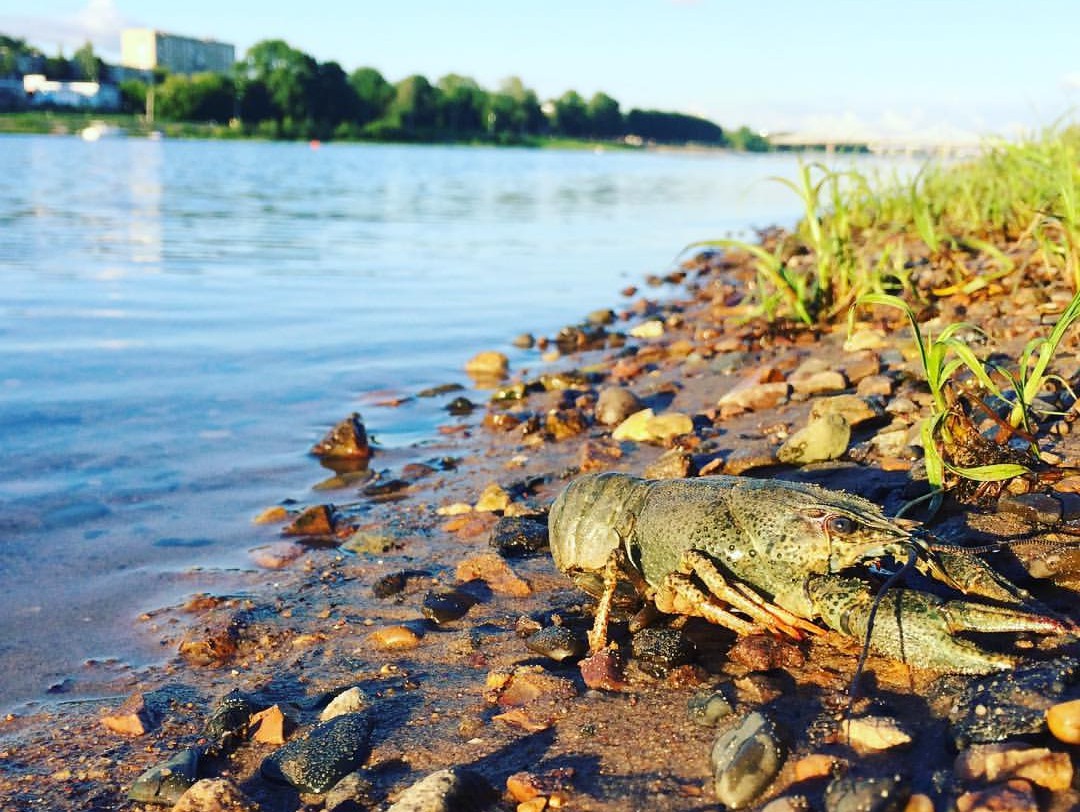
(278, 91)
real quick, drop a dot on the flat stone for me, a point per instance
(873, 733)
(493, 498)
(133, 718)
(823, 439)
(516, 536)
(323, 756)
(855, 410)
(861, 365)
(1040, 508)
(270, 726)
(214, 795)
(874, 385)
(818, 383)
(452, 790)
(1016, 795)
(755, 397)
(988, 763)
(746, 759)
(489, 364)
(166, 782)
(351, 700)
(394, 638)
(493, 570)
(672, 464)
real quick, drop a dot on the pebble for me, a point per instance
(524, 684)
(861, 365)
(820, 440)
(854, 409)
(754, 397)
(1014, 703)
(517, 536)
(350, 700)
(646, 426)
(760, 652)
(1063, 719)
(1013, 796)
(874, 385)
(672, 464)
(347, 440)
(350, 794)
(323, 756)
(277, 555)
(133, 718)
(1040, 508)
(495, 572)
(214, 795)
(452, 790)
(865, 338)
(818, 383)
(709, 709)
(525, 341)
(789, 803)
(270, 726)
(393, 583)
(317, 520)
(447, 606)
(815, 765)
(272, 515)
(394, 638)
(460, 407)
(658, 650)
(615, 404)
(654, 328)
(493, 498)
(746, 759)
(487, 365)
(603, 671)
(166, 782)
(988, 763)
(850, 793)
(557, 643)
(875, 733)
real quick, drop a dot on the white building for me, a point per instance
(146, 49)
(88, 95)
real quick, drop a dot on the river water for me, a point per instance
(179, 321)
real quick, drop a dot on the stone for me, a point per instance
(603, 671)
(746, 759)
(488, 365)
(561, 424)
(317, 520)
(854, 409)
(599, 454)
(524, 684)
(517, 536)
(709, 709)
(352, 793)
(276, 555)
(672, 464)
(347, 440)
(447, 606)
(214, 795)
(323, 756)
(989, 763)
(815, 765)
(654, 328)
(394, 638)
(754, 397)
(873, 733)
(823, 439)
(1063, 719)
(855, 793)
(351, 700)
(874, 386)
(495, 572)
(270, 726)
(818, 383)
(557, 643)
(525, 341)
(455, 789)
(861, 365)
(133, 718)
(272, 515)
(492, 499)
(166, 782)
(760, 652)
(1013, 796)
(1039, 508)
(614, 404)
(229, 723)
(647, 427)
(657, 650)
(866, 338)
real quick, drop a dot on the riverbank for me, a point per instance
(350, 604)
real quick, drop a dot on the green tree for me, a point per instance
(202, 97)
(673, 128)
(87, 66)
(747, 140)
(571, 116)
(605, 118)
(515, 109)
(59, 68)
(462, 105)
(415, 106)
(373, 94)
(289, 76)
(133, 96)
(335, 98)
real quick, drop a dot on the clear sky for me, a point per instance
(863, 66)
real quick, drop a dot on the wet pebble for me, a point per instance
(447, 606)
(869, 733)
(819, 440)
(164, 783)
(395, 638)
(988, 763)
(1012, 796)
(852, 793)
(615, 404)
(516, 536)
(317, 520)
(709, 709)
(1039, 508)
(460, 407)
(351, 793)
(746, 759)
(1063, 719)
(350, 700)
(390, 584)
(556, 642)
(1000, 706)
(214, 795)
(658, 650)
(487, 365)
(452, 790)
(855, 410)
(347, 440)
(672, 464)
(323, 756)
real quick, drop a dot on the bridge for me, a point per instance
(914, 144)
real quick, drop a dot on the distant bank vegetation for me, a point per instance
(277, 91)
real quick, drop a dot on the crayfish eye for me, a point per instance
(840, 525)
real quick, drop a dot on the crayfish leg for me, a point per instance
(598, 633)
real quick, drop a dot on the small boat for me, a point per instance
(99, 130)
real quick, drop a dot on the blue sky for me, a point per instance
(866, 66)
